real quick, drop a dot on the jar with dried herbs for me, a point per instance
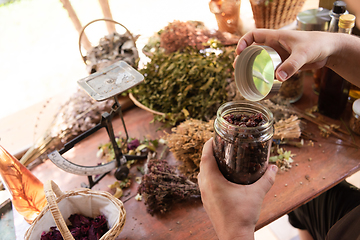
(242, 141)
(355, 117)
(293, 88)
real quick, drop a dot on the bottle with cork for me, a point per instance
(334, 90)
(346, 25)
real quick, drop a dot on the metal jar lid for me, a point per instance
(255, 71)
(313, 20)
(356, 107)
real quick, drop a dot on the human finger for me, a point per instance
(259, 36)
(208, 163)
(267, 180)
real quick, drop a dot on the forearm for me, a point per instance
(345, 60)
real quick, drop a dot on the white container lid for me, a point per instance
(356, 106)
(255, 71)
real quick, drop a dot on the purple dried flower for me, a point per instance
(133, 144)
(77, 220)
(53, 234)
(92, 233)
(99, 221)
(75, 231)
(81, 228)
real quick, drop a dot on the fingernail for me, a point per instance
(283, 75)
(274, 168)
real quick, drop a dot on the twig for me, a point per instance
(329, 130)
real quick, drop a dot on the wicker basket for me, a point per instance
(81, 201)
(275, 14)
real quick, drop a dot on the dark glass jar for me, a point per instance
(242, 153)
(293, 88)
(334, 92)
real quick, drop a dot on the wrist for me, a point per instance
(237, 233)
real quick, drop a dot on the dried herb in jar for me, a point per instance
(292, 89)
(243, 137)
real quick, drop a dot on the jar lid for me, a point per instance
(347, 21)
(255, 71)
(356, 106)
(313, 20)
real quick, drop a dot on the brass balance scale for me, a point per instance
(108, 83)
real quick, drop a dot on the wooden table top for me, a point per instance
(330, 164)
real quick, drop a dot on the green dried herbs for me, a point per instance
(186, 84)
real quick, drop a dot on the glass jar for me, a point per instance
(227, 14)
(355, 117)
(293, 88)
(242, 152)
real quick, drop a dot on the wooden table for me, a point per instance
(330, 164)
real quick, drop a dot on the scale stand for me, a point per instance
(112, 81)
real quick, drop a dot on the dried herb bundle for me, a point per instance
(186, 142)
(287, 128)
(161, 187)
(188, 83)
(77, 115)
(178, 35)
(112, 48)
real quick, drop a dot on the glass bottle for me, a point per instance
(346, 24)
(242, 152)
(334, 90)
(26, 191)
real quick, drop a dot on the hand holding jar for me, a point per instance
(232, 208)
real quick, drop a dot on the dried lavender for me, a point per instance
(161, 187)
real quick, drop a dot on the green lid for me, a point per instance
(255, 71)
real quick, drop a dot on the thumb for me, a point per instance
(268, 179)
(290, 66)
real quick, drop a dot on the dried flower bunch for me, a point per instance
(112, 48)
(178, 35)
(132, 146)
(161, 187)
(186, 142)
(77, 115)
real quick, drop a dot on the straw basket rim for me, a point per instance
(54, 195)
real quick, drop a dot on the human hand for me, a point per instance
(297, 49)
(232, 208)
